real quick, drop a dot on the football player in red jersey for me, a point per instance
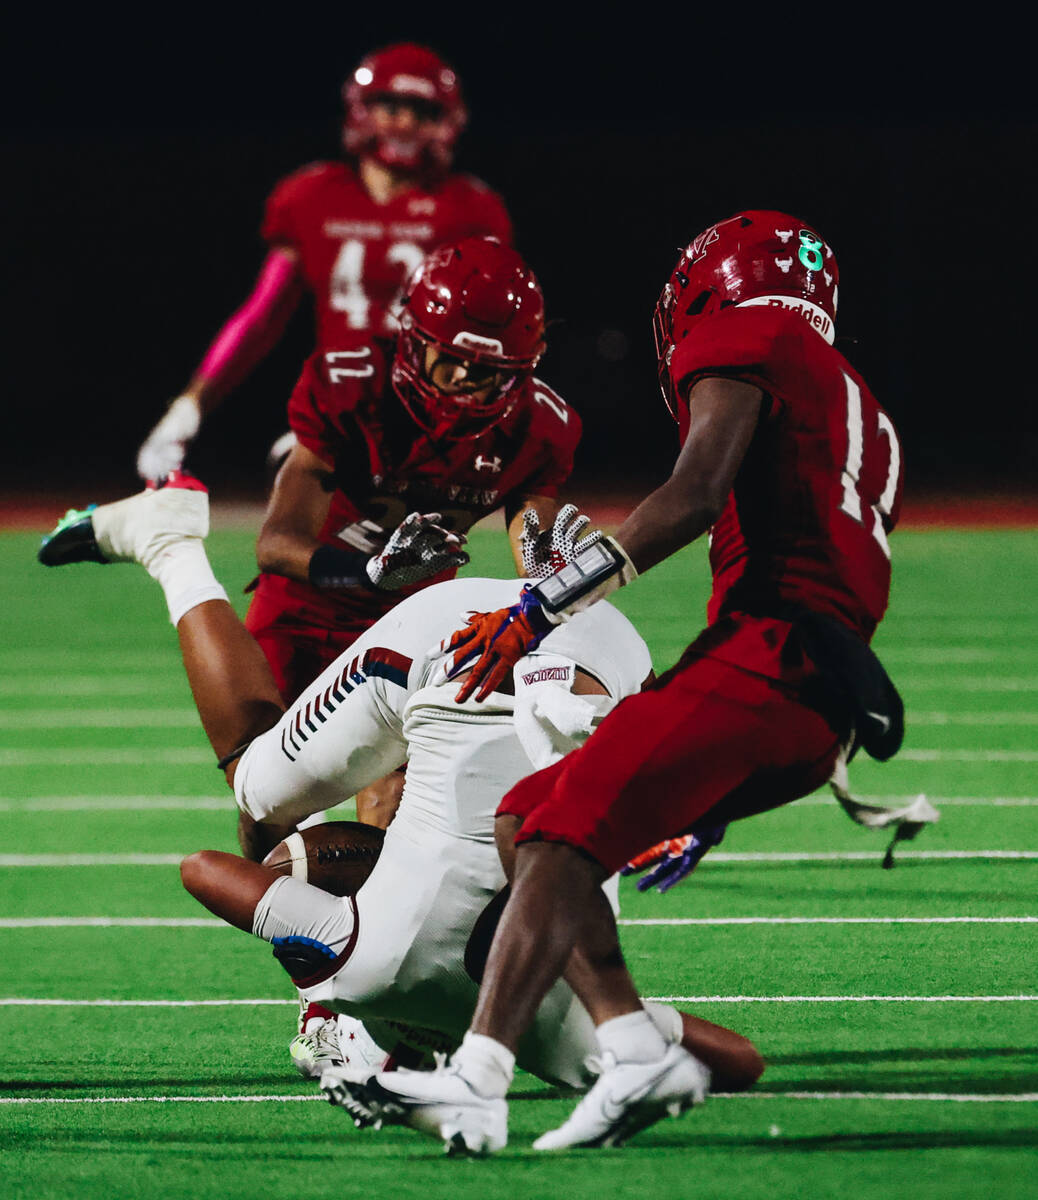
(789, 461)
(449, 421)
(349, 232)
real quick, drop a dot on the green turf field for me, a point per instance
(144, 1043)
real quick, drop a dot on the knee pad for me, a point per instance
(302, 957)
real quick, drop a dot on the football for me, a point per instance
(336, 857)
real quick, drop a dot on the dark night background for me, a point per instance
(139, 150)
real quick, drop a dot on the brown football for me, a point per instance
(336, 857)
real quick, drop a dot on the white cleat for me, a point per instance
(137, 529)
(629, 1097)
(439, 1103)
(336, 1042)
(316, 1050)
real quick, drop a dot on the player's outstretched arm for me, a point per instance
(724, 416)
(247, 337)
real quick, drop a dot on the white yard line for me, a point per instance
(1024, 998)
(1006, 717)
(937, 1097)
(88, 685)
(61, 756)
(715, 858)
(35, 1001)
(42, 804)
(813, 921)
(56, 757)
(90, 860)
(114, 923)
(719, 856)
(39, 659)
(106, 803)
(940, 656)
(898, 801)
(977, 756)
(967, 683)
(79, 718)
(919, 1097)
(214, 923)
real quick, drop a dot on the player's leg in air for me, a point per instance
(235, 692)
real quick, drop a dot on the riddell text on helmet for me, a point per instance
(811, 313)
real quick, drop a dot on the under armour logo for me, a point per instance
(487, 464)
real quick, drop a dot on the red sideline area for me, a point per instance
(37, 511)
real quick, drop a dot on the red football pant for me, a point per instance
(297, 648)
(708, 732)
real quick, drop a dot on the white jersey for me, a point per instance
(348, 728)
(399, 945)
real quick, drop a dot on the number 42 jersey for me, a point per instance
(819, 489)
(356, 254)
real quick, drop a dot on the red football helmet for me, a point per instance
(759, 257)
(415, 74)
(478, 306)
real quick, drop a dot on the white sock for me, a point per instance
(485, 1065)
(632, 1038)
(184, 574)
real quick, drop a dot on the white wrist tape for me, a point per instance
(594, 574)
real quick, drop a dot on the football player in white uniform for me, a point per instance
(393, 954)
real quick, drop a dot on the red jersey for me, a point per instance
(820, 487)
(344, 410)
(356, 254)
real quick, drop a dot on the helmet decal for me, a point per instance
(757, 257)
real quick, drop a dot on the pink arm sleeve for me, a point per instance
(254, 329)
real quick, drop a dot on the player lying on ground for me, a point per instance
(789, 461)
(393, 954)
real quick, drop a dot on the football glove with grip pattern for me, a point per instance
(548, 550)
(417, 549)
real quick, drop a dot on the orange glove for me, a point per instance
(497, 640)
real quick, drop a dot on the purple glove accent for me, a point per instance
(672, 868)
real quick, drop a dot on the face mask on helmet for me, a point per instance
(755, 258)
(404, 108)
(472, 331)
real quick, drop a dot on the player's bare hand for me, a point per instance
(418, 549)
(546, 551)
(164, 448)
(497, 641)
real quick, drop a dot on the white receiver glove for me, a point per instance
(418, 549)
(546, 551)
(164, 448)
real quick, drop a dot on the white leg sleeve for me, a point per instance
(340, 735)
(290, 908)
